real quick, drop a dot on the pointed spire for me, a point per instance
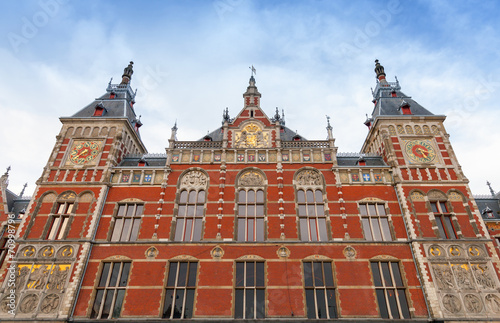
(7, 172)
(127, 73)
(22, 191)
(329, 126)
(491, 189)
(379, 70)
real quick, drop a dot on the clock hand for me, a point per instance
(422, 152)
(83, 151)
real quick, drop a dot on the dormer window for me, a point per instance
(296, 138)
(142, 163)
(112, 95)
(393, 93)
(361, 162)
(99, 111)
(207, 138)
(405, 108)
(488, 213)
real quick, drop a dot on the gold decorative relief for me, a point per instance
(252, 136)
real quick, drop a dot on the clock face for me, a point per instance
(84, 152)
(420, 151)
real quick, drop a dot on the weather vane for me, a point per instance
(254, 71)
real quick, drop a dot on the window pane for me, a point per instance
(250, 228)
(190, 210)
(107, 303)
(440, 228)
(62, 230)
(104, 274)
(249, 312)
(449, 227)
(53, 228)
(172, 273)
(242, 196)
(259, 229)
(198, 223)
(382, 305)
(238, 304)
(376, 274)
(126, 229)
(70, 208)
(302, 210)
(124, 275)
(444, 208)
(308, 279)
(188, 307)
(319, 196)
(362, 209)
(366, 228)
(251, 210)
(322, 230)
(183, 197)
(381, 209)
(201, 197)
(320, 211)
(311, 308)
(241, 229)
(311, 210)
(301, 196)
(261, 303)
(139, 209)
(181, 280)
(260, 196)
(193, 266)
(259, 270)
(199, 210)
(192, 197)
(310, 196)
(403, 304)
(251, 196)
(314, 234)
(318, 274)
(320, 299)
(179, 230)
(97, 304)
(250, 274)
(377, 236)
(114, 274)
(117, 308)
(332, 305)
(371, 210)
(187, 231)
(130, 210)
(121, 210)
(240, 274)
(327, 269)
(385, 229)
(259, 211)
(386, 274)
(396, 274)
(182, 210)
(434, 207)
(392, 303)
(167, 307)
(304, 231)
(242, 210)
(135, 229)
(179, 299)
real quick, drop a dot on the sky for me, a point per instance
(191, 61)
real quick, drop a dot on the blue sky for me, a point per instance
(313, 58)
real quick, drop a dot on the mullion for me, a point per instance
(391, 272)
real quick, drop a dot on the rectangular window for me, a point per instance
(390, 290)
(189, 221)
(58, 226)
(319, 290)
(443, 220)
(250, 215)
(127, 222)
(250, 290)
(375, 222)
(180, 290)
(110, 291)
(312, 218)
(3, 248)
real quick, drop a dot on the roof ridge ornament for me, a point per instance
(127, 74)
(491, 189)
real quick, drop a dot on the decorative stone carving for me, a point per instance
(493, 302)
(217, 252)
(475, 251)
(5, 306)
(251, 178)
(427, 131)
(455, 251)
(483, 276)
(436, 251)
(309, 177)
(28, 252)
(38, 277)
(47, 251)
(392, 131)
(67, 196)
(283, 252)
(349, 252)
(28, 304)
(252, 136)
(417, 196)
(463, 277)
(454, 196)
(444, 277)
(50, 303)
(57, 279)
(418, 130)
(435, 130)
(409, 130)
(437, 195)
(452, 303)
(401, 130)
(151, 253)
(65, 252)
(194, 179)
(473, 304)
(22, 276)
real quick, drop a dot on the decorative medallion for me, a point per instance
(473, 304)
(308, 177)
(151, 253)
(284, 157)
(136, 178)
(50, 303)
(65, 252)
(252, 136)
(436, 251)
(262, 157)
(217, 252)
(241, 157)
(175, 158)
(420, 151)
(217, 157)
(251, 178)
(366, 177)
(355, 177)
(328, 157)
(28, 304)
(67, 196)
(455, 251)
(452, 303)
(475, 251)
(28, 251)
(84, 152)
(147, 178)
(493, 302)
(196, 158)
(46, 251)
(283, 252)
(125, 178)
(377, 177)
(194, 178)
(251, 157)
(306, 157)
(349, 252)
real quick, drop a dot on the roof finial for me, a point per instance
(379, 70)
(254, 71)
(8, 170)
(329, 127)
(127, 73)
(491, 189)
(22, 192)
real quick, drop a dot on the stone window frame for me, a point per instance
(388, 215)
(438, 196)
(65, 202)
(178, 260)
(313, 187)
(324, 287)
(190, 187)
(242, 187)
(135, 217)
(244, 287)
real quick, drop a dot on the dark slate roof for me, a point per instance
(492, 204)
(153, 160)
(286, 135)
(353, 161)
(16, 204)
(389, 106)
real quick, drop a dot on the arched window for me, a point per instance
(190, 215)
(59, 220)
(250, 215)
(312, 218)
(444, 221)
